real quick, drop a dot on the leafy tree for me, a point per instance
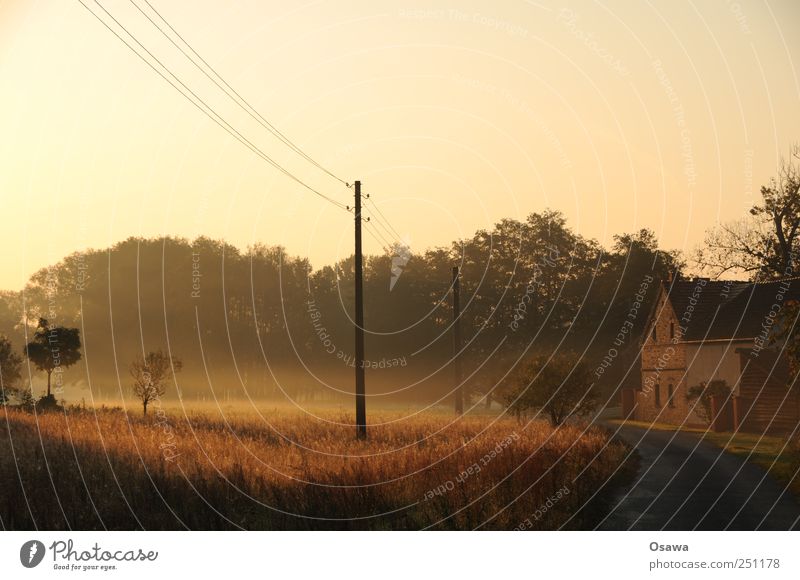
(53, 348)
(150, 373)
(634, 258)
(638, 252)
(766, 243)
(703, 393)
(10, 367)
(559, 385)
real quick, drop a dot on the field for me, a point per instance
(286, 469)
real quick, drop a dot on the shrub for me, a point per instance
(700, 395)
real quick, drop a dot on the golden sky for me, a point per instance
(623, 115)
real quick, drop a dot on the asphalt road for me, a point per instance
(685, 483)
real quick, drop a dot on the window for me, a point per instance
(672, 330)
(654, 334)
(658, 395)
(670, 393)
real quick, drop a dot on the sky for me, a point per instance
(621, 115)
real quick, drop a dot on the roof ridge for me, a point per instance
(785, 279)
(696, 279)
(707, 279)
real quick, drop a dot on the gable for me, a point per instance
(662, 317)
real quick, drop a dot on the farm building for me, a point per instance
(700, 331)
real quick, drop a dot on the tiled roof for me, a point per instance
(713, 310)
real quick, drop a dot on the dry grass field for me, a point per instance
(110, 469)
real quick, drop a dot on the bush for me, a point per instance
(700, 395)
(47, 403)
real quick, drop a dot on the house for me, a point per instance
(701, 330)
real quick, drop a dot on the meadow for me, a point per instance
(287, 469)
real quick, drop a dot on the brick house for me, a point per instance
(701, 330)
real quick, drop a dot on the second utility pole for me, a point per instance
(361, 403)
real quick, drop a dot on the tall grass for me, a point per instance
(107, 469)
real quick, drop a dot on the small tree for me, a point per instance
(53, 348)
(26, 399)
(703, 393)
(559, 385)
(10, 369)
(150, 373)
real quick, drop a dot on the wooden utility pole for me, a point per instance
(459, 391)
(361, 403)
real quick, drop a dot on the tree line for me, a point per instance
(262, 323)
(248, 323)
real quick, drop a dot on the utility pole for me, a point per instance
(361, 403)
(459, 391)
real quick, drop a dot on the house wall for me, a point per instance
(664, 360)
(714, 360)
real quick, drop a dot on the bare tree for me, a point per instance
(150, 373)
(767, 241)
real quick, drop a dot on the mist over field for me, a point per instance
(260, 324)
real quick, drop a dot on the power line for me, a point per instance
(385, 244)
(374, 237)
(228, 89)
(384, 222)
(208, 111)
(379, 223)
(369, 227)
(380, 213)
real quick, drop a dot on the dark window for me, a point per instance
(658, 395)
(672, 330)
(670, 393)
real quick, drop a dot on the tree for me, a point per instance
(560, 385)
(150, 373)
(765, 243)
(10, 367)
(53, 348)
